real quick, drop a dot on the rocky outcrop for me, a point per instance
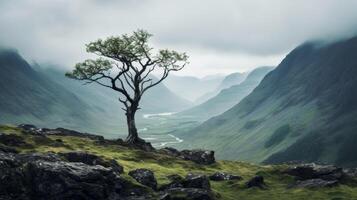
(176, 182)
(145, 177)
(221, 176)
(257, 181)
(196, 181)
(193, 186)
(47, 176)
(31, 129)
(199, 156)
(312, 175)
(314, 171)
(91, 159)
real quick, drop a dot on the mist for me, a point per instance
(220, 37)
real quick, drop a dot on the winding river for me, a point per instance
(158, 140)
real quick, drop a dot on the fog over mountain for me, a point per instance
(225, 36)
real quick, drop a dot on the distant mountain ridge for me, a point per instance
(305, 110)
(191, 88)
(227, 82)
(228, 97)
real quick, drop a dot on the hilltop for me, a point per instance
(52, 160)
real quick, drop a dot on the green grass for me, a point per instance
(164, 165)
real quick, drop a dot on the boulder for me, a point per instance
(176, 182)
(314, 183)
(350, 173)
(12, 179)
(187, 194)
(91, 159)
(41, 176)
(257, 181)
(313, 171)
(196, 181)
(198, 156)
(221, 176)
(63, 180)
(145, 177)
(31, 157)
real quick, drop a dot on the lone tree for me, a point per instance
(126, 64)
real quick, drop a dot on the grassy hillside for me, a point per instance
(229, 97)
(163, 165)
(303, 110)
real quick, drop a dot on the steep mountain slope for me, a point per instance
(26, 96)
(306, 109)
(228, 97)
(227, 82)
(190, 87)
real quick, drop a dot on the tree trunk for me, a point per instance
(132, 131)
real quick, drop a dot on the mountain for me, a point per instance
(28, 97)
(227, 98)
(227, 82)
(45, 97)
(305, 110)
(191, 88)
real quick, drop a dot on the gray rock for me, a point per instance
(38, 176)
(145, 177)
(313, 171)
(199, 156)
(221, 176)
(176, 182)
(196, 181)
(91, 159)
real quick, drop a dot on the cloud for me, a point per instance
(222, 36)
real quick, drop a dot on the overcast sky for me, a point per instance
(220, 36)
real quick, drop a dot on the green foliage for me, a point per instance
(131, 54)
(90, 68)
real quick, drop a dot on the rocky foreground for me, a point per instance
(64, 164)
